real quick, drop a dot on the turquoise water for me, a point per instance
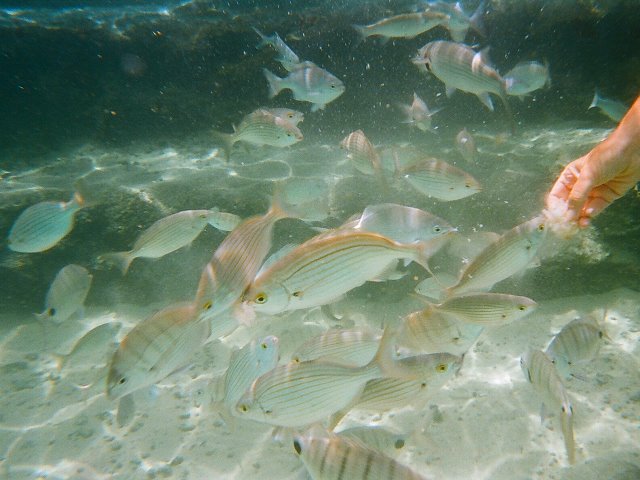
(125, 96)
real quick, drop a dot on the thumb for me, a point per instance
(580, 191)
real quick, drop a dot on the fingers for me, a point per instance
(599, 199)
(580, 192)
(566, 180)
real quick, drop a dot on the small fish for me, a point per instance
(440, 180)
(401, 223)
(487, 309)
(459, 22)
(466, 145)
(508, 255)
(527, 77)
(578, 341)
(94, 348)
(418, 114)
(234, 266)
(355, 346)
(287, 57)
(542, 374)
(327, 266)
(155, 348)
(327, 456)
(292, 116)
(41, 226)
(171, 233)
(308, 83)
(245, 365)
(383, 439)
(406, 25)
(67, 293)
(260, 127)
(431, 331)
(363, 155)
(460, 67)
(613, 109)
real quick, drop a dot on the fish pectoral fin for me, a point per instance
(486, 100)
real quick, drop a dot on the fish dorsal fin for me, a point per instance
(275, 257)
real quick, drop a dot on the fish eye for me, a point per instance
(423, 385)
(290, 115)
(522, 308)
(207, 305)
(441, 368)
(600, 334)
(297, 294)
(264, 346)
(289, 135)
(437, 229)
(399, 444)
(297, 447)
(243, 408)
(333, 85)
(541, 227)
(52, 312)
(122, 381)
(467, 185)
(202, 215)
(261, 298)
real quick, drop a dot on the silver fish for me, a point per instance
(332, 457)
(327, 266)
(355, 346)
(169, 234)
(418, 114)
(544, 377)
(400, 223)
(94, 348)
(287, 57)
(487, 309)
(308, 83)
(613, 109)
(508, 255)
(67, 293)
(458, 22)
(41, 226)
(380, 438)
(440, 180)
(578, 341)
(466, 145)
(290, 115)
(363, 155)
(155, 348)
(406, 25)
(260, 127)
(527, 77)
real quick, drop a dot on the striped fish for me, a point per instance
(41, 226)
(233, 266)
(287, 57)
(431, 331)
(418, 114)
(542, 374)
(327, 266)
(578, 341)
(290, 115)
(67, 293)
(440, 180)
(508, 255)
(94, 348)
(171, 233)
(406, 25)
(332, 457)
(487, 309)
(363, 155)
(355, 346)
(260, 127)
(380, 438)
(155, 348)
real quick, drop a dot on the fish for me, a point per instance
(126, 410)
(460, 67)
(290, 115)
(363, 155)
(406, 25)
(431, 331)
(418, 114)
(578, 341)
(308, 83)
(327, 456)
(298, 394)
(401, 223)
(466, 145)
(309, 198)
(95, 347)
(527, 77)
(458, 22)
(245, 365)
(67, 293)
(234, 266)
(260, 127)
(487, 309)
(41, 226)
(169, 234)
(613, 109)
(355, 346)
(440, 180)
(380, 438)
(540, 371)
(327, 266)
(155, 348)
(286, 57)
(508, 255)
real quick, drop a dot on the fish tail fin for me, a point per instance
(275, 83)
(595, 101)
(264, 40)
(566, 419)
(509, 113)
(477, 20)
(226, 141)
(122, 260)
(278, 207)
(225, 414)
(362, 33)
(384, 359)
